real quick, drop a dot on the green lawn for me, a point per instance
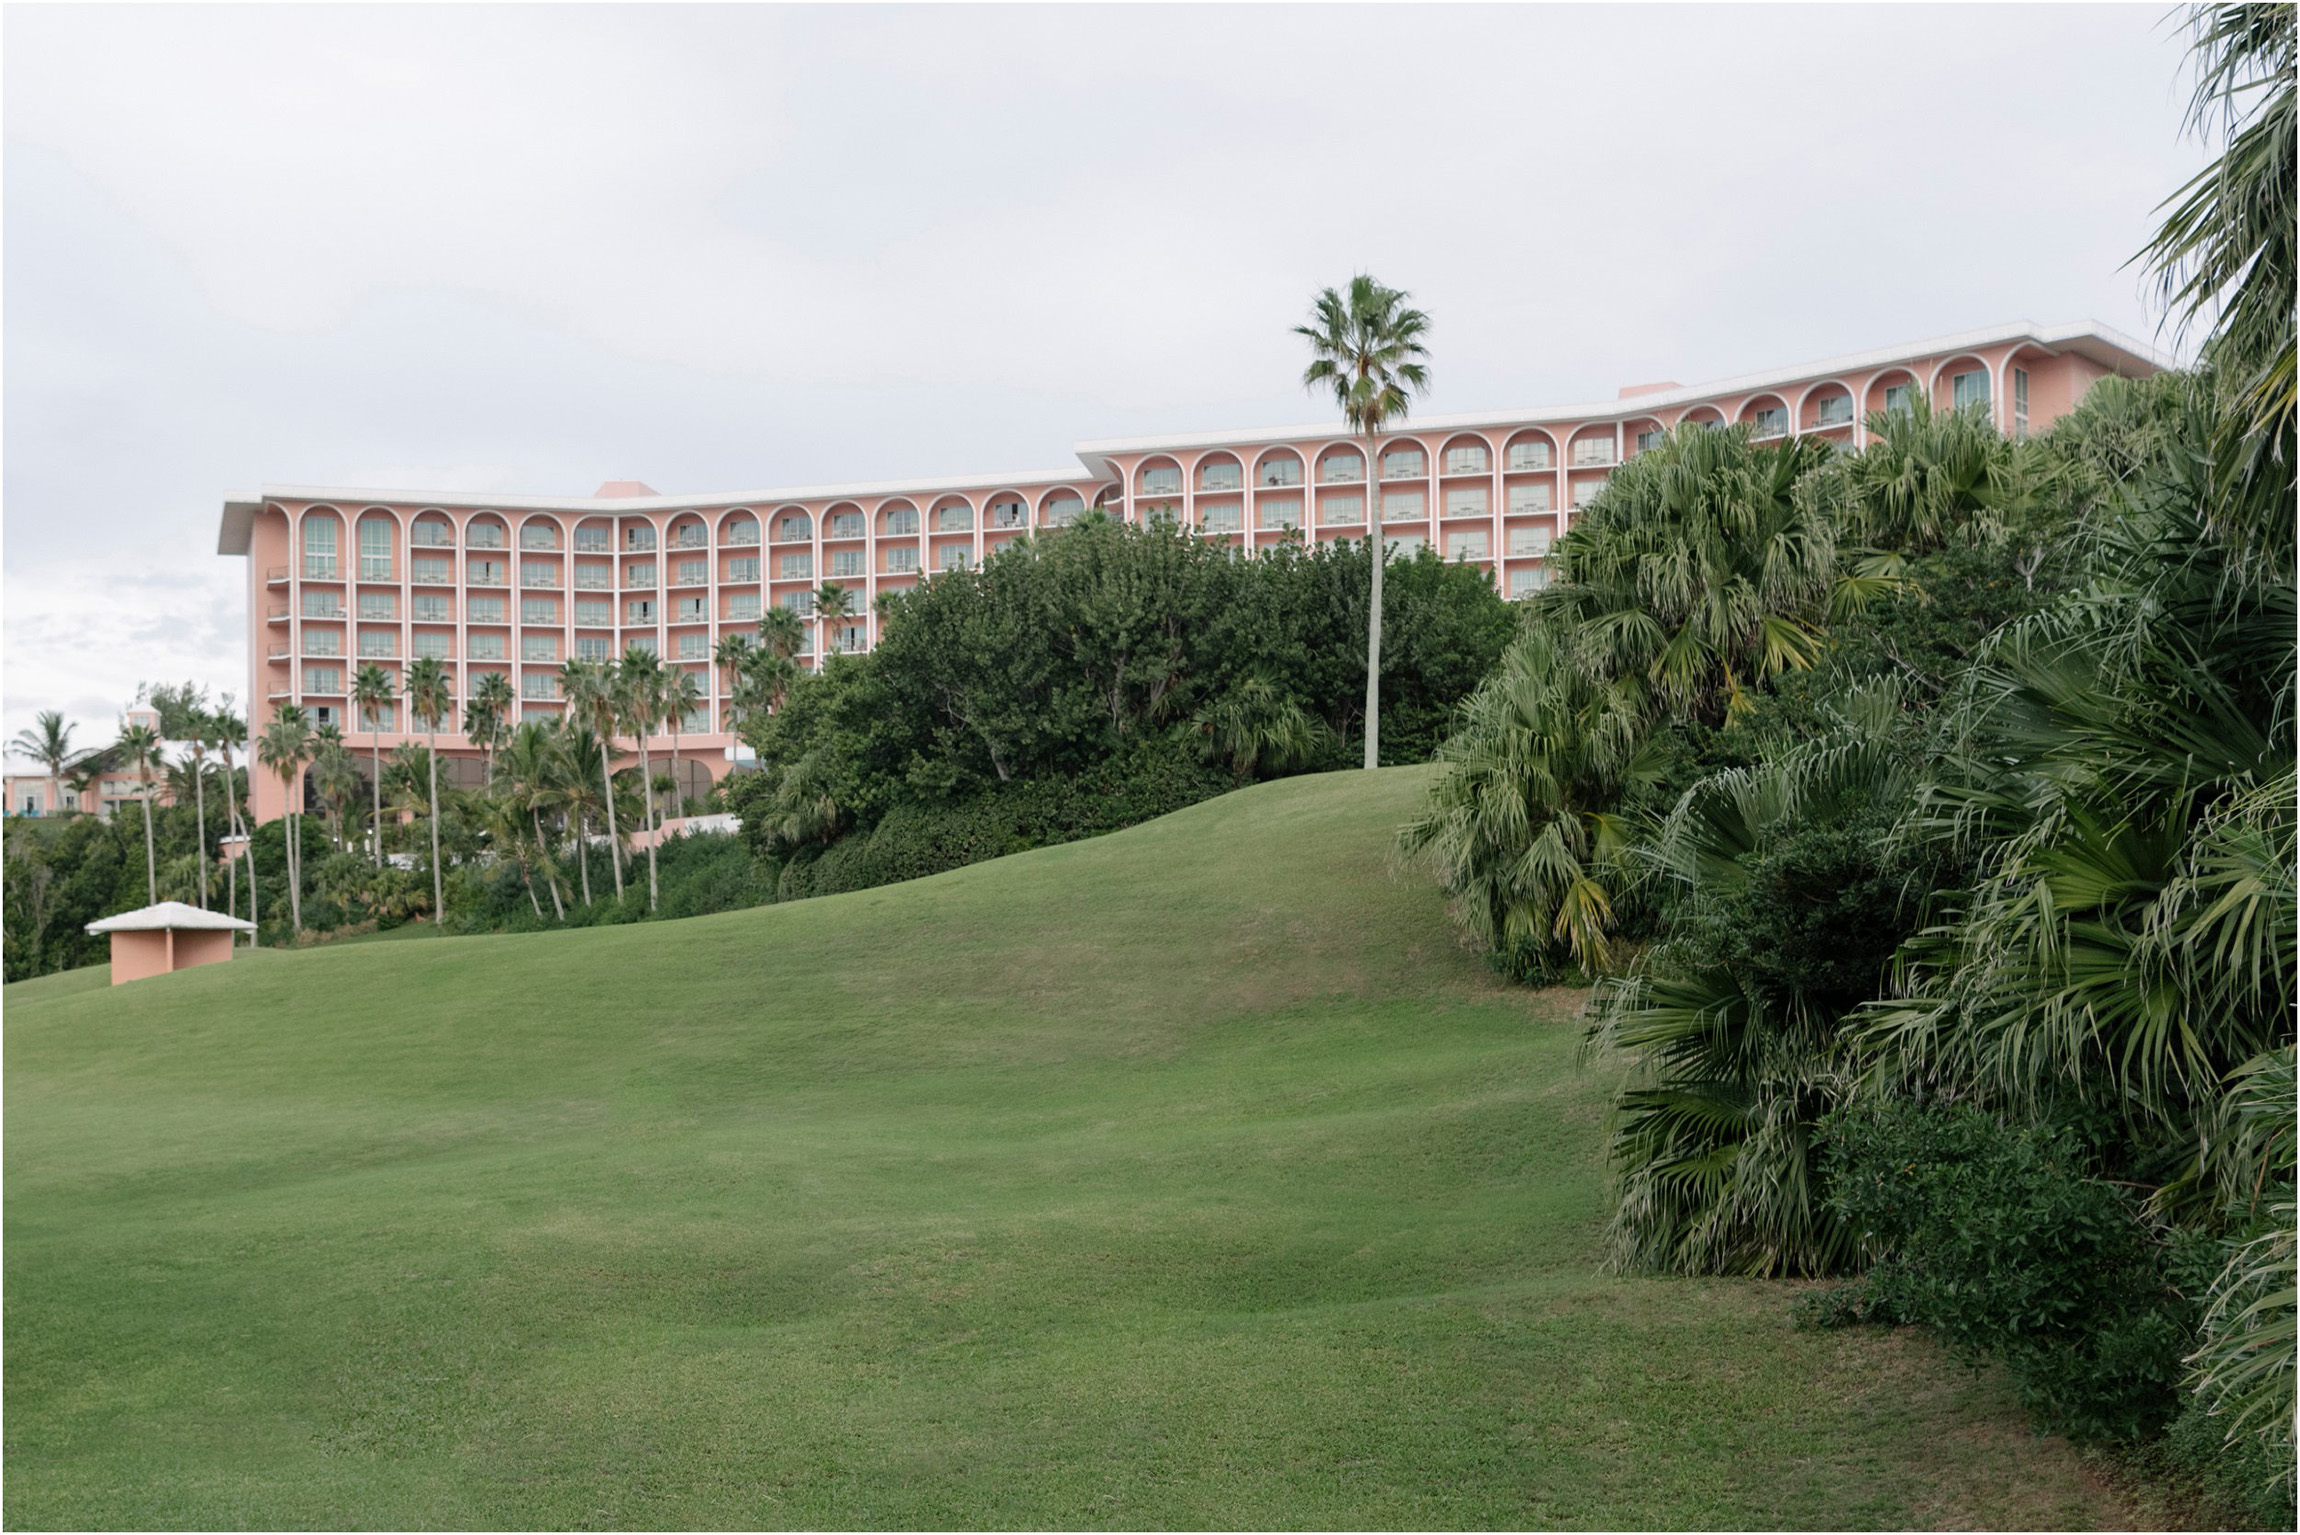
(1190, 1176)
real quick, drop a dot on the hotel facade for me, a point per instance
(339, 578)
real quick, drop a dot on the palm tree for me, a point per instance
(285, 743)
(1366, 346)
(526, 777)
(431, 698)
(639, 701)
(140, 746)
(50, 745)
(681, 696)
(833, 605)
(372, 692)
(782, 633)
(336, 778)
(735, 655)
(583, 757)
(591, 692)
(229, 733)
(182, 709)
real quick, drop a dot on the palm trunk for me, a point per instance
(1374, 616)
(678, 789)
(375, 763)
(294, 860)
(647, 778)
(200, 809)
(583, 852)
(151, 858)
(438, 889)
(232, 798)
(614, 836)
(543, 856)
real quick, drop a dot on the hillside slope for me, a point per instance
(1188, 1176)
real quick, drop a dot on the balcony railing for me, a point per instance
(432, 578)
(277, 613)
(487, 578)
(690, 580)
(428, 538)
(742, 540)
(276, 576)
(276, 653)
(689, 538)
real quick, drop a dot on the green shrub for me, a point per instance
(1995, 1239)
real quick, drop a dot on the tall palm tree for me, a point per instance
(198, 726)
(285, 744)
(140, 747)
(640, 703)
(231, 733)
(681, 696)
(591, 693)
(372, 692)
(735, 655)
(782, 632)
(431, 698)
(1366, 346)
(181, 709)
(488, 714)
(336, 778)
(583, 757)
(50, 745)
(834, 604)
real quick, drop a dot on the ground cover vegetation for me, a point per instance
(1925, 818)
(1117, 1184)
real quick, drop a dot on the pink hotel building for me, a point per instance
(338, 578)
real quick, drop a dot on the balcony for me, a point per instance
(691, 581)
(427, 538)
(432, 578)
(277, 613)
(545, 580)
(488, 578)
(688, 539)
(1004, 518)
(1592, 455)
(276, 653)
(277, 691)
(276, 576)
(742, 538)
(384, 653)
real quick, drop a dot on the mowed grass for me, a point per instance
(1192, 1176)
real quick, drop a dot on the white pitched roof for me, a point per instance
(167, 914)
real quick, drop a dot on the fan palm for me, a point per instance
(1699, 571)
(2226, 247)
(431, 699)
(487, 714)
(1520, 823)
(1737, 1059)
(372, 692)
(182, 710)
(283, 747)
(139, 746)
(1366, 348)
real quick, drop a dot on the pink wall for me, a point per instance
(137, 956)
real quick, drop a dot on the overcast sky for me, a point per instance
(727, 248)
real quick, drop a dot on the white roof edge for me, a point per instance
(170, 914)
(764, 500)
(1093, 450)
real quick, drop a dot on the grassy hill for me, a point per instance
(1189, 1176)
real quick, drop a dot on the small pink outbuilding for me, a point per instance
(169, 936)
